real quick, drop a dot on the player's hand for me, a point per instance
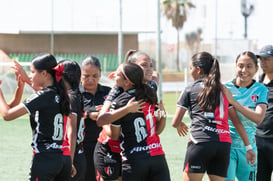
(250, 157)
(161, 113)
(135, 106)
(20, 82)
(18, 69)
(73, 171)
(182, 129)
(98, 107)
(94, 115)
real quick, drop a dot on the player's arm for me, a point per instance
(182, 128)
(255, 116)
(106, 117)
(114, 133)
(251, 156)
(72, 133)
(161, 117)
(18, 92)
(107, 129)
(10, 113)
(93, 114)
(72, 139)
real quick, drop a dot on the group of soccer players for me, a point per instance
(83, 130)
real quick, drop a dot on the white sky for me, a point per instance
(140, 15)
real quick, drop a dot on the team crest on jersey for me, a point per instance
(254, 98)
(108, 170)
(57, 99)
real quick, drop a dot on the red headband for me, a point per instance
(58, 71)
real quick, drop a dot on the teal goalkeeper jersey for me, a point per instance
(249, 97)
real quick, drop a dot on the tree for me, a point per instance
(176, 12)
(193, 40)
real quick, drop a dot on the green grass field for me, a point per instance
(16, 151)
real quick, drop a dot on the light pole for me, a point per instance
(120, 34)
(158, 51)
(52, 28)
(246, 10)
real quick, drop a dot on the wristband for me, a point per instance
(248, 147)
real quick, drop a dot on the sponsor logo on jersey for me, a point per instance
(221, 131)
(54, 146)
(145, 148)
(108, 170)
(195, 167)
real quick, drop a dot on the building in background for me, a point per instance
(89, 26)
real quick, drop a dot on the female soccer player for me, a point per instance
(108, 148)
(75, 124)
(143, 157)
(47, 108)
(251, 104)
(209, 110)
(145, 62)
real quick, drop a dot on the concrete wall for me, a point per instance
(66, 43)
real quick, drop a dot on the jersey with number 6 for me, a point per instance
(46, 120)
(138, 136)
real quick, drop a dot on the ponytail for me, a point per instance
(61, 89)
(146, 93)
(209, 97)
(72, 75)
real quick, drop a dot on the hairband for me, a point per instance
(122, 66)
(58, 71)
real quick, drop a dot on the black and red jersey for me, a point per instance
(76, 107)
(205, 126)
(138, 135)
(46, 119)
(78, 110)
(114, 93)
(92, 131)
